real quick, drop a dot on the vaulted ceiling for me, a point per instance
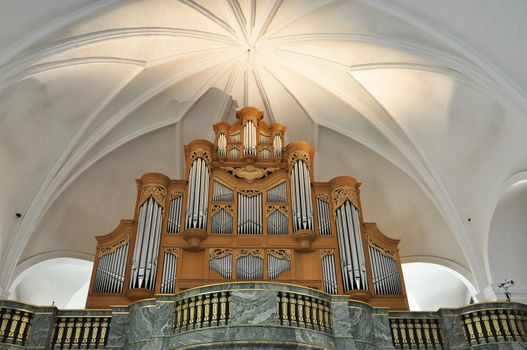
(425, 103)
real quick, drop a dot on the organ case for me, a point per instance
(248, 209)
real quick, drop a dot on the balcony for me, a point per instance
(260, 316)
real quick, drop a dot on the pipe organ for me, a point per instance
(249, 208)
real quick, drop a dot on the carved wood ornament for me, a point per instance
(156, 191)
(249, 172)
(249, 187)
(340, 195)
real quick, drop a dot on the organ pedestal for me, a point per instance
(248, 209)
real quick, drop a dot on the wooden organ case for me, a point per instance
(249, 209)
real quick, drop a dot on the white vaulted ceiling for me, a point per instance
(425, 103)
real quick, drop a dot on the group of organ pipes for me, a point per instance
(248, 209)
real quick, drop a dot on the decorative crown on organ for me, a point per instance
(248, 209)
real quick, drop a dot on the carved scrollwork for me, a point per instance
(281, 208)
(107, 250)
(173, 251)
(250, 172)
(200, 153)
(340, 195)
(326, 252)
(249, 192)
(383, 251)
(156, 191)
(254, 252)
(218, 253)
(217, 207)
(296, 156)
(323, 196)
(174, 195)
(284, 254)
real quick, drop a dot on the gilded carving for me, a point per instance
(323, 196)
(218, 253)
(249, 192)
(326, 252)
(156, 191)
(296, 156)
(174, 195)
(383, 251)
(283, 254)
(250, 172)
(341, 194)
(200, 153)
(217, 207)
(281, 208)
(173, 251)
(254, 252)
(115, 246)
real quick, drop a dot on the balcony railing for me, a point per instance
(416, 333)
(249, 314)
(80, 332)
(14, 326)
(494, 325)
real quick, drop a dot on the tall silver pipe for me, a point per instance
(333, 274)
(150, 247)
(347, 246)
(115, 270)
(141, 258)
(374, 270)
(353, 244)
(309, 206)
(190, 195)
(155, 249)
(138, 244)
(344, 260)
(104, 273)
(358, 240)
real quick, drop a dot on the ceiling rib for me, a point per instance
(299, 14)
(40, 33)
(422, 164)
(269, 17)
(504, 82)
(48, 189)
(96, 37)
(211, 17)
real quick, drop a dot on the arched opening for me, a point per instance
(507, 242)
(433, 286)
(63, 282)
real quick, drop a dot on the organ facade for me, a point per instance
(249, 209)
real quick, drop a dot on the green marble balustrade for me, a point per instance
(261, 316)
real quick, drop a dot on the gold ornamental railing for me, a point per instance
(80, 332)
(304, 311)
(203, 310)
(14, 326)
(416, 333)
(494, 325)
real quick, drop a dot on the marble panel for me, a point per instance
(253, 307)
(382, 335)
(42, 324)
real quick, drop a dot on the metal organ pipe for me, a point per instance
(168, 282)
(328, 274)
(249, 138)
(350, 247)
(277, 145)
(222, 145)
(250, 214)
(301, 192)
(197, 199)
(324, 224)
(144, 261)
(174, 215)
